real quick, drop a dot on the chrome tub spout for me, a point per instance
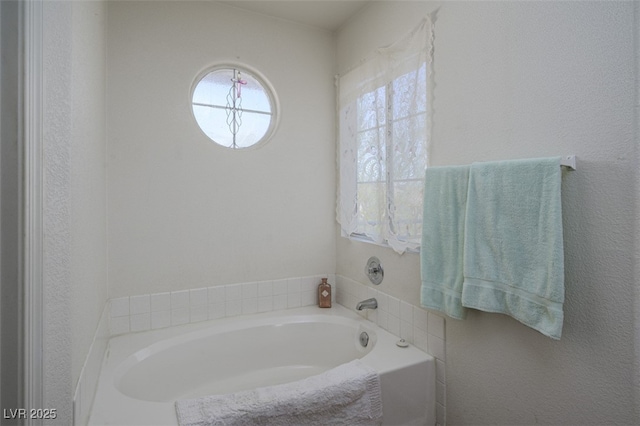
(367, 304)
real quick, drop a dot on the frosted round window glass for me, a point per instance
(234, 107)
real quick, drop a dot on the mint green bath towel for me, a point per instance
(513, 248)
(441, 253)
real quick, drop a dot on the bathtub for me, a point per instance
(143, 374)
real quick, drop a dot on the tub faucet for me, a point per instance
(367, 304)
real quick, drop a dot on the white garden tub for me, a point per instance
(143, 374)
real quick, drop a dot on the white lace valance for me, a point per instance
(384, 126)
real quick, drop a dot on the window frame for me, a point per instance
(389, 180)
(269, 91)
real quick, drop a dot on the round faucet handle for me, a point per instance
(374, 270)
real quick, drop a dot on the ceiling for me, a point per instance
(325, 14)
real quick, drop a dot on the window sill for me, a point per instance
(361, 238)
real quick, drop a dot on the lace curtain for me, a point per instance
(383, 107)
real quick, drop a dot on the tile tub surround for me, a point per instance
(160, 310)
(422, 328)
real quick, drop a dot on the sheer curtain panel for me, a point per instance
(383, 138)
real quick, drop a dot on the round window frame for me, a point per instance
(269, 91)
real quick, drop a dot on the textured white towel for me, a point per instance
(346, 395)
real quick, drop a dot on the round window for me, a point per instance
(234, 107)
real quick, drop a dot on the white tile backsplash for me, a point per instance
(436, 325)
(394, 306)
(249, 306)
(119, 325)
(249, 291)
(180, 316)
(233, 292)
(393, 324)
(265, 289)
(119, 307)
(440, 414)
(436, 347)
(440, 371)
(421, 319)
(293, 300)
(308, 298)
(199, 312)
(198, 297)
(440, 392)
(159, 319)
(216, 294)
(420, 327)
(265, 304)
(160, 302)
(160, 310)
(140, 322)
(140, 304)
(217, 310)
(406, 312)
(406, 331)
(233, 307)
(421, 339)
(279, 302)
(180, 300)
(279, 287)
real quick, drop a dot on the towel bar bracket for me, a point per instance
(568, 161)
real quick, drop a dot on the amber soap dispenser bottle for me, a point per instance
(324, 294)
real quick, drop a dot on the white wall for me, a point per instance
(184, 212)
(74, 159)
(636, 190)
(529, 79)
(10, 176)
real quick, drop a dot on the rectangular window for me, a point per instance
(383, 138)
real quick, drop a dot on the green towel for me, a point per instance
(445, 199)
(513, 249)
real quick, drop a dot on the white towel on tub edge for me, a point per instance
(345, 395)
